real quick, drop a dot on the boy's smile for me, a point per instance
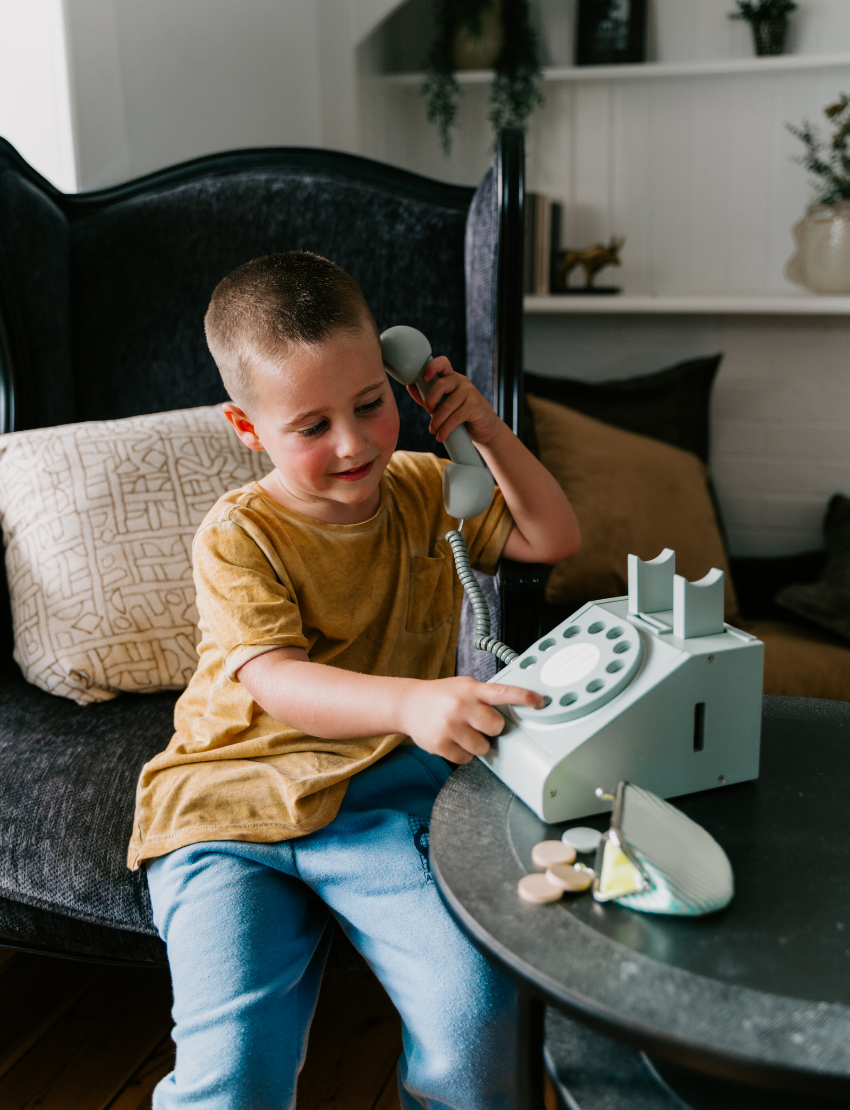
(327, 417)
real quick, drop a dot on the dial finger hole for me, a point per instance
(624, 645)
(615, 633)
(547, 644)
(573, 630)
(617, 665)
(592, 687)
(529, 662)
(568, 699)
(597, 626)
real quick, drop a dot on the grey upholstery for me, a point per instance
(102, 299)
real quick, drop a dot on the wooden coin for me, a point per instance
(537, 888)
(547, 852)
(573, 879)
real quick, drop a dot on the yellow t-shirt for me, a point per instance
(380, 598)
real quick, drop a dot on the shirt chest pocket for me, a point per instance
(430, 600)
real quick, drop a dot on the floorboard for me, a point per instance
(87, 1055)
(355, 1043)
(138, 1091)
(36, 991)
(77, 1036)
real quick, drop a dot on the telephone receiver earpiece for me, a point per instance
(467, 483)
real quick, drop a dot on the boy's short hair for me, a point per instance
(282, 299)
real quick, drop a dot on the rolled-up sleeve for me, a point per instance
(247, 607)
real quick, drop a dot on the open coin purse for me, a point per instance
(656, 860)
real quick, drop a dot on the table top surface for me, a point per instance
(763, 987)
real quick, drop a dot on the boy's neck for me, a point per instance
(325, 510)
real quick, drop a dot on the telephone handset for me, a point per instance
(467, 483)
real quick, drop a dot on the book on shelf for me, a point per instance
(542, 231)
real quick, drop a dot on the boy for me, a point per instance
(311, 742)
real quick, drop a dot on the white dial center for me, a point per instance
(569, 665)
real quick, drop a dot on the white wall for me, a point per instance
(161, 81)
(35, 114)
(155, 82)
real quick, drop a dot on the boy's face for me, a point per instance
(327, 417)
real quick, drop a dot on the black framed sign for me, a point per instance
(610, 32)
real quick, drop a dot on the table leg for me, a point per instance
(530, 1055)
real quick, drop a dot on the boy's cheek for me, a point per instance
(387, 429)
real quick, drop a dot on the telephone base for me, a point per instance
(672, 715)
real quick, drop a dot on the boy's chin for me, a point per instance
(352, 493)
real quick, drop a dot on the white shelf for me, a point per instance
(712, 67)
(744, 305)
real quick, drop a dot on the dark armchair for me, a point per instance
(102, 297)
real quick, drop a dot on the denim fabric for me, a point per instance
(246, 926)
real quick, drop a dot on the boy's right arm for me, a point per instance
(451, 717)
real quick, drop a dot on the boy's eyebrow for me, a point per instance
(316, 412)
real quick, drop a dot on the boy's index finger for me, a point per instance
(438, 366)
(495, 693)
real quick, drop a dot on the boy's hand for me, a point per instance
(454, 717)
(452, 399)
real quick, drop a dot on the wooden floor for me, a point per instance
(77, 1036)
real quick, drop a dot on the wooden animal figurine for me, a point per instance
(591, 259)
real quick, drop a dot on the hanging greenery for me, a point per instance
(758, 11)
(828, 163)
(515, 92)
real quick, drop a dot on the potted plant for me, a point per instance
(480, 34)
(822, 259)
(768, 20)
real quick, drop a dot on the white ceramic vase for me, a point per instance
(821, 261)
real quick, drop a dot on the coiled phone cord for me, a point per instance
(483, 640)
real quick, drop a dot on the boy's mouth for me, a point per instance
(356, 474)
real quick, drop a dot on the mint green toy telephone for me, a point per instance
(651, 688)
(467, 483)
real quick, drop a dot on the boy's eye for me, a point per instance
(315, 430)
(371, 406)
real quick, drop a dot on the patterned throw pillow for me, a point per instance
(98, 521)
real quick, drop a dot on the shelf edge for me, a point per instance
(710, 67)
(695, 306)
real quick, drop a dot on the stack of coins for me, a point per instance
(558, 872)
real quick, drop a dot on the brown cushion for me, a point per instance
(631, 494)
(802, 661)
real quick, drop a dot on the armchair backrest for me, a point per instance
(103, 294)
(494, 275)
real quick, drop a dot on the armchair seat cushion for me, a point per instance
(67, 783)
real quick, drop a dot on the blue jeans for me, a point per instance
(247, 930)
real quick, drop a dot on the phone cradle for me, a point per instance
(652, 688)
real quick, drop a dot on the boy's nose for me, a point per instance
(350, 443)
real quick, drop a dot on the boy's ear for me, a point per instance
(241, 425)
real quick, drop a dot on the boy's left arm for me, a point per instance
(545, 526)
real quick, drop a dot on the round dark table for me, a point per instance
(758, 993)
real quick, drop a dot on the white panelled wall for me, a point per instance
(695, 169)
(95, 92)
